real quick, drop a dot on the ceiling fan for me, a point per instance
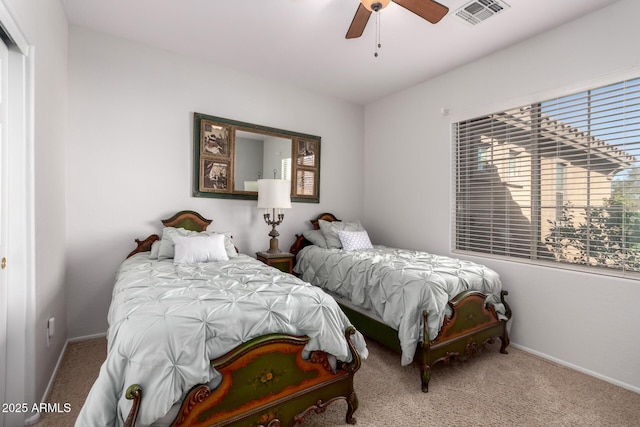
(430, 10)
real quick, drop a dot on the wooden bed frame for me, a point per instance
(462, 335)
(266, 382)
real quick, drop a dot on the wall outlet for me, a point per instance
(51, 326)
(51, 329)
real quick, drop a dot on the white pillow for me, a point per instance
(194, 249)
(228, 243)
(155, 250)
(354, 240)
(166, 249)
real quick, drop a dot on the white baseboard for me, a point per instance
(578, 368)
(87, 337)
(32, 420)
(35, 418)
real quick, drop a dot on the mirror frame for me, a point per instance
(225, 159)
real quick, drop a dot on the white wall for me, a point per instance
(44, 26)
(588, 321)
(129, 156)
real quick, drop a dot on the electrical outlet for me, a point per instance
(51, 326)
(51, 329)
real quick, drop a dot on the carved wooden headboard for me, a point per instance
(301, 242)
(189, 220)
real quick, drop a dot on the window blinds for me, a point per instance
(556, 181)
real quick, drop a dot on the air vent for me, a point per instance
(477, 11)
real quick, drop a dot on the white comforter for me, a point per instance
(167, 321)
(398, 285)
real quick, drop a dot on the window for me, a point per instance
(286, 169)
(555, 181)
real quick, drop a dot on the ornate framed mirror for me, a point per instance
(230, 156)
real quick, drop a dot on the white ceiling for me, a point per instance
(303, 41)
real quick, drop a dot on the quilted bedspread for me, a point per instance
(167, 321)
(397, 285)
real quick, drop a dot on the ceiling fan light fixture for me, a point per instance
(430, 10)
(375, 5)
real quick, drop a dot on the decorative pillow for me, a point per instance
(330, 231)
(229, 246)
(316, 237)
(155, 249)
(354, 240)
(199, 248)
(166, 249)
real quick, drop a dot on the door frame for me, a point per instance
(4, 209)
(21, 300)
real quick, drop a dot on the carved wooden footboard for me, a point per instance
(266, 383)
(471, 325)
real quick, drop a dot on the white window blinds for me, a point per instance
(555, 181)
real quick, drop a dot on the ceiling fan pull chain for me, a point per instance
(378, 45)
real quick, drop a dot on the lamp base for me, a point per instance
(273, 246)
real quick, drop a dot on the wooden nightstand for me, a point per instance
(283, 261)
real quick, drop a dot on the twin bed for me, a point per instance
(200, 335)
(429, 308)
(233, 341)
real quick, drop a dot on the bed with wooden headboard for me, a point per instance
(356, 277)
(266, 371)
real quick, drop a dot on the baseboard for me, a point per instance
(35, 418)
(87, 337)
(578, 368)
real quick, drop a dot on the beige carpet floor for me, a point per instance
(492, 389)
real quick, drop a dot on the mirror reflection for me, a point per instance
(260, 156)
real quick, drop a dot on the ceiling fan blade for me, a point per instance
(359, 22)
(430, 10)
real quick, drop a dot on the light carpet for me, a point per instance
(491, 389)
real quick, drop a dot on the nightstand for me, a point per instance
(283, 261)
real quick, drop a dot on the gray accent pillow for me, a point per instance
(330, 231)
(316, 237)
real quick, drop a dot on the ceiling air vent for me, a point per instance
(477, 11)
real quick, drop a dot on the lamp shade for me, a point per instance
(274, 193)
